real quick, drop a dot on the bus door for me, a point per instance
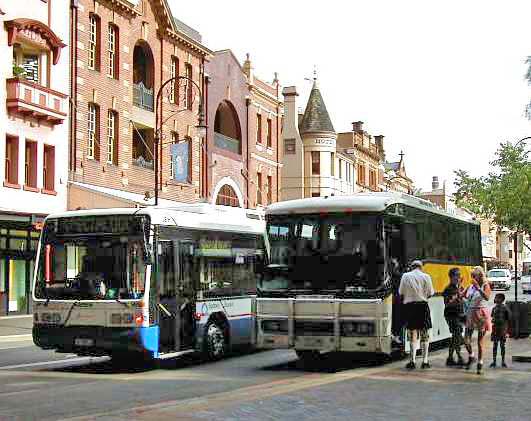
(176, 295)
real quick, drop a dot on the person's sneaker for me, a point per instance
(471, 361)
(480, 367)
(425, 365)
(411, 365)
(504, 365)
(460, 362)
(493, 364)
(450, 362)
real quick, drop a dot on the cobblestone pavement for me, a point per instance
(379, 392)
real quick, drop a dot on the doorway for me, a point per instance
(14, 285)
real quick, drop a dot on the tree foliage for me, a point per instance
(504, 195)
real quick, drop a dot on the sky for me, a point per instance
(443, 81)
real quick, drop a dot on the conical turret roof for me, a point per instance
(316, 118)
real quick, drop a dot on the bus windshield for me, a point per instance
(314, 253)
(92, 266)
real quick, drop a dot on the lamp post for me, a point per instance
(515, 237)
(201, 125)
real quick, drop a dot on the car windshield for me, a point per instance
(317, 253)
(91, 267)
(497, 274)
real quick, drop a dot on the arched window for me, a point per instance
(227, 197)
(227, 131)
(143, 76)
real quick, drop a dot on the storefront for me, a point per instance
(19, 238)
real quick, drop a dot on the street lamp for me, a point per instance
(201, 126)
(515, 237)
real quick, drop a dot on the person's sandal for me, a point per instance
(425, 365)
(493, 364)
(480, 366)
(450, 362)
(504, 365)
(411, 366)
(471, 360)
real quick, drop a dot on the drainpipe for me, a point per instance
(278, 148)
(205, 140)
(247, 103)
(161, 81)
(73, 89)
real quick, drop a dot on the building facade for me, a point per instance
(313, 165)
(124, 54)
(244, 115)
(33, 136)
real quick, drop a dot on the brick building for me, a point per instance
(33, 136)
(244, 121)
(123, 51)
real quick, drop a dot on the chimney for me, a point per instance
(379, 144)
(435, 183)
(291, 112)
(357, 126)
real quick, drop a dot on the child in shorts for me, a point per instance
(501, 317)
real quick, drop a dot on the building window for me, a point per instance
(259, 188)
(30, 64)
(48, 168)
(30, 170)
(181, 155)
(11, 162)
(361, 174)
(93, 128)
(143, 148)
(269, 189)
(340, 167)
(316, 162)
(268, 134)
(174, 141)
(112, 137)
(332, 163)
(94, 42)
(258, 128)
(227, 197)
(189, 87)
(113, 50)
(174, 73)
(372, 179)
(289, 147)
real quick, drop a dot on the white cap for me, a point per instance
(416, 264)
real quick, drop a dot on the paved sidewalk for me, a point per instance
(14, 327)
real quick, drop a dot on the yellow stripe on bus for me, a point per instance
(439, 274)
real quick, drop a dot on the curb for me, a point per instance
(522, 358)
(15, 338)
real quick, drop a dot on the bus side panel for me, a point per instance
(238, 312)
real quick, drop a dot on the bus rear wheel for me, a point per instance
(215, 342)
(309, 357)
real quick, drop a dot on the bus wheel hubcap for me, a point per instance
(216, 339)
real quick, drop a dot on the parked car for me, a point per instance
(499, 278)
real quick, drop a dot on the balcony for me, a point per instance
(143, 97)
(227, 143)
(40, 102)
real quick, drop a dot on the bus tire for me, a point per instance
(309, 358)
(215, 341)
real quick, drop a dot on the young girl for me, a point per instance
(478, 317)
(501, 317)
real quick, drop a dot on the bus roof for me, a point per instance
(359, 202)
(195, 216)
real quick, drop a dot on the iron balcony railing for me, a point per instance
(227, 143)
(142, 96)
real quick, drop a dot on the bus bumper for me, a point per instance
(97, 340)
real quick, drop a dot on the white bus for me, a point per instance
(151, 282)
(335, 267)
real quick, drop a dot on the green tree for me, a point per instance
(504, 195)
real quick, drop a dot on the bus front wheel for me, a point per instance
(215, 342)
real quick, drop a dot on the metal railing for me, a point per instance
(143, 97)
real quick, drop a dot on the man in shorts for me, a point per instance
(415, 289)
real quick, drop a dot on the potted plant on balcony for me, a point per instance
(19, 71)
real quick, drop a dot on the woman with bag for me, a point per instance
(477, 315)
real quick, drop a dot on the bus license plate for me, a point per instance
(83, 342)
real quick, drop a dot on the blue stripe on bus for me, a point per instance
(149, 338)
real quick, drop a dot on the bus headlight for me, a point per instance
(51, 318)
(357, 329)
